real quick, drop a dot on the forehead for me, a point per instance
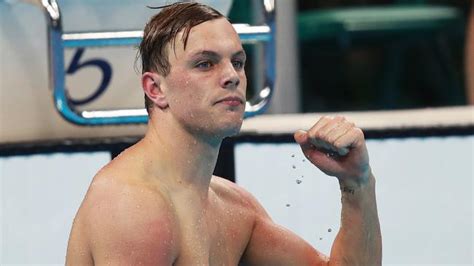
(215, 35)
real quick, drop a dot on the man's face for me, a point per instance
(207, 83)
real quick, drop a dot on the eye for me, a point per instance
(238, 64)
(204, 64)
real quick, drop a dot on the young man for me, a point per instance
(159, 204)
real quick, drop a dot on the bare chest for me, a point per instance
(216, 237)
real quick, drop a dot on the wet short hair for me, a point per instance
(163, 28)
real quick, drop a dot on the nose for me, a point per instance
(230, 77)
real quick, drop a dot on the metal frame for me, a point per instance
(59, 41)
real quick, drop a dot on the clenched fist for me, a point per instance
(337, 147)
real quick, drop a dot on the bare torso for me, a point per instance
(123, 212)
(141, 210)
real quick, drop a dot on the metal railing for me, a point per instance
(59, 41)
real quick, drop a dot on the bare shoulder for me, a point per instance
(232, 192)
(123, 221)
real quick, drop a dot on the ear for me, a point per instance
(151, 84)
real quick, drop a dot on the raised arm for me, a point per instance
(338, 149)
(272, 244)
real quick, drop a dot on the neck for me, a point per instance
(180, 159)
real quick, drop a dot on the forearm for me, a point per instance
(359, 240)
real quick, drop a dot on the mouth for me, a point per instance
(231, 101)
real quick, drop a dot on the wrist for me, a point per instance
(353, 184)
(357, 196)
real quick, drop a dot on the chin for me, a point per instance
(231, 126)
(232, 129)
(218, 128)
(232, 132)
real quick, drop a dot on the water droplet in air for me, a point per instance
(287, 205)
(294, 167)
(292, 156)
(320, 238)
(329, 230)
(298, 181)
(304, 160)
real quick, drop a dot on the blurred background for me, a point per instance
(377, 54)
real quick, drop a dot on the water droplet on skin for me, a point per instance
(138, 206)
(329, 230)
(287, 205)
(298, 181)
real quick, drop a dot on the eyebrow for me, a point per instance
(240, 53)
(213, 54)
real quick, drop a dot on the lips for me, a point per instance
(231, 100)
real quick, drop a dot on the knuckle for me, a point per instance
(358, 132)
(318, 134)
(312, 134)
(330, 140)
(350, 123)
(326, 119)
(349, 127)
